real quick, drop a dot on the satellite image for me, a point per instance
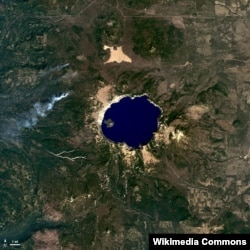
(122, 118)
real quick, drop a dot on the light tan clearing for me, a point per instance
(136, 194)
(162, 88)
(178, 22)
(81, 58)
(103, 95)
(244, 2)
(47, 240)
(148, 157)
(195, 112)
(163, 134)
(77, 138)
(117, 55)
(51, 214)
(203, 229)
(100, 102)
(166, 134)
(129, 155)
(172, 85)
(220, 9)
(177, 135)
(225, 125)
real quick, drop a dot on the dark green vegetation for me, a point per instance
(108, 29)
(170, 205)
(156, 37)
(144, 4)
(138, 3)
(17, 182)
(233, 224)
(144, 81)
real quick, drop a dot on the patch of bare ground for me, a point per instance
(72, 247)
(203, 229)
(225, 126)
(164, 134)
(79, 137)
(117, 55)
(47, 240)
(148, 157)
(178, 22)
(103, 95)
(129, 156)
(52, 214)
(100, 102)
(195, 112)
(149, 160)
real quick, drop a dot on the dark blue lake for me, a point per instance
(131, 120)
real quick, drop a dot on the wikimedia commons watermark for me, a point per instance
(166, 241)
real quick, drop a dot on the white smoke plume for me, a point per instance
(38, 110)
(11, 129)
(55, 69)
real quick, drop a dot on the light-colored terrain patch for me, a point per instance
(100, 102)
(148, 158)
(201, 198)
(225, 125)
(231, 8)
(167, 226)
(129, 156)
(69, 76)
(162, 88)
(133, 235)
(178, 135)
(178, 22)
(150, 11)
(103, 95)
(78, 138)
(204, 47)
(167, 134)
(195, 112)
(163, 134)
(117, 55)
(221, 9)
(81, 58)
(203, 229)
(51, 214)
(47, 240)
